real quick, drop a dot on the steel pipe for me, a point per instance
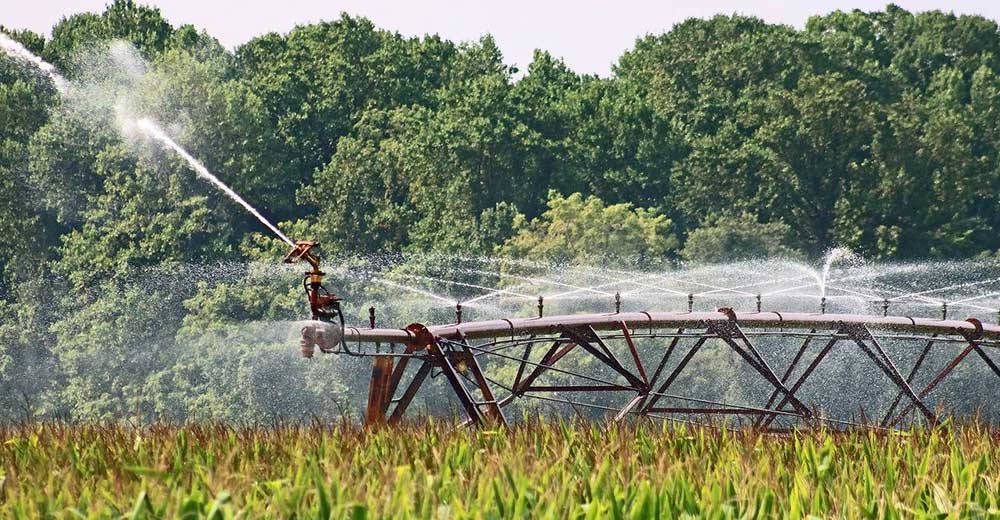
(634, 320)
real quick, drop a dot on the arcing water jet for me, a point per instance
(17, 51)
(154, 131)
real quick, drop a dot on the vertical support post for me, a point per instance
(378, 390)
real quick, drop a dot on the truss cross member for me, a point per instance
(791, 368)
(443, 360)
(909, 380)
(673, 375)
(864, 339)
(411, 391)
(586, 336)
(973, 346)
(802, 378)
(494, 412)
(729, 331)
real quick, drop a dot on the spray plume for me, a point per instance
(154, 131)
(17, 51)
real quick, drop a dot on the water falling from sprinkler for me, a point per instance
(834, 255)
(17, 51)
(154, 131)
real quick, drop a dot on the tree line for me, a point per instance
(718, 139)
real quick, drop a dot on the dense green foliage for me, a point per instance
(536, 471)
(718, 139)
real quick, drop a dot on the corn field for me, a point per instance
(537, 470)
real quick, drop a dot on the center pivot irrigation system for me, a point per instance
(628, 364)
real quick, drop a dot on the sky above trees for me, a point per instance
(588, 35)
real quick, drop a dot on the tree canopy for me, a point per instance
(718, 139)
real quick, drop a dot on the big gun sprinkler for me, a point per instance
(327, 328)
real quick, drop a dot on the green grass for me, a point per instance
(555, 470)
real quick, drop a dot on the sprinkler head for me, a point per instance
(324, 304)
(303, 251)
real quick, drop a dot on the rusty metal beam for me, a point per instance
(409, 393)
(673, 375)
(378, 391)
(550, 324)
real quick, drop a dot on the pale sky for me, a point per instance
(589, 35)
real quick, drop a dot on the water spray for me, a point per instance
(151, 128)
(18, 52)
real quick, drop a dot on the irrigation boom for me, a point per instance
(631, 364)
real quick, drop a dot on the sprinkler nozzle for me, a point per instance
(324, 304)
(307, 344)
